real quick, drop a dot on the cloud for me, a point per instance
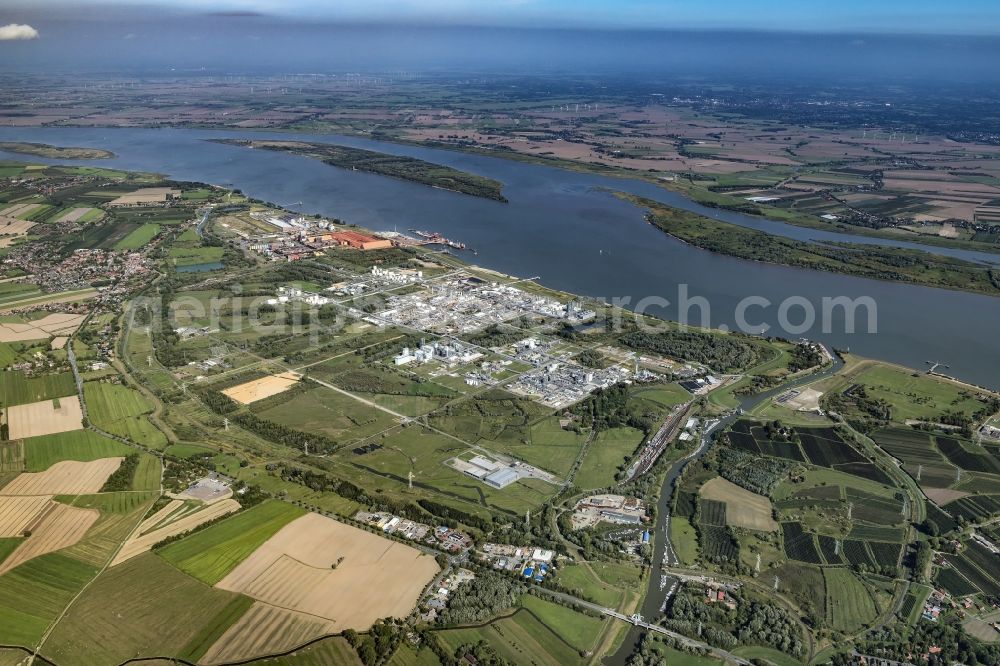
(13, 31)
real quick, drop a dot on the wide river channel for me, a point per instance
(567, 229)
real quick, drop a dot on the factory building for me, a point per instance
(502, 478)
(358, 241)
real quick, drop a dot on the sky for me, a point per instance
(892, 40)
(981, 17)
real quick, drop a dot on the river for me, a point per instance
(565, 228)
(653, 599)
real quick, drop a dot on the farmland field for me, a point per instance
(209, 555)
(83, 445)
(986, 582)
(830, 548)
(17, 513)
(521, 637)
(138, 237)
(141, 543)
(33, 594)
(826, 448)
(954, 582)
(45, 417)
(120, 410)
(325, 568)
(11, 457)
(334, 651)
(856, 552)
(265, 387)
(849, 606)
(113, 620)
(743, 508)
(265, 629)
(960, 454)
(68, 477)
(800, 545)
(60, 527)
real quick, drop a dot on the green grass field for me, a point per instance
(12, 291)
(849, 605)
(187, 450)
(915, 397)
(33, 595)
(16, 389)
(684, 539)
(114, 620)
(605, 455)
(296, 491)
(42, 452)
(8, 546)
(139, 237)
(519, 639)
(575, 628)
(121, 410)
(212, 553)
(7, 354)
(549, 446)
(608, 585)
(147, 474)
(181, 256)
(407, 656)
(325, 411)
(425, 452)
(667, 395)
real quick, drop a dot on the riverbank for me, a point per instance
(383, 164)
(672, 183)
(869, 261)
(55, 152)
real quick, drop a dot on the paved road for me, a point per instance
(639, 623)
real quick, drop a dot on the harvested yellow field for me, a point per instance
(743, 508)
(57, 323)
(74, 214)
(263, 630)
(60, 527)
(159, 516)
(18, 513)
(375, 577)
(264, 387)
(11, 229)
(153, 532)
(67, 477)
(145, 196)
(45, 417)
